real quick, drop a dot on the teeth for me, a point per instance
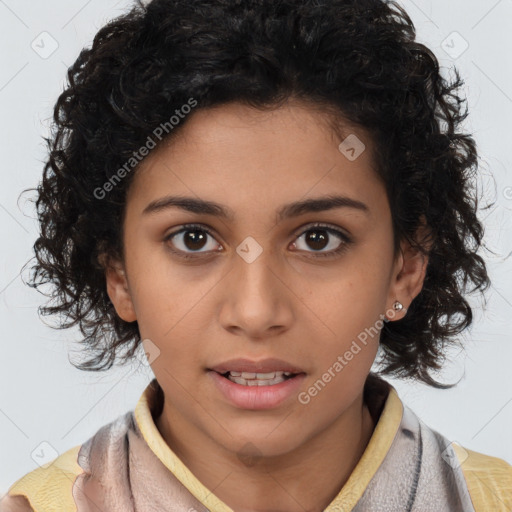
(256, 382)
(270, 375)
(257, 379)
(251, 375)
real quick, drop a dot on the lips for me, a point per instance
(262, 366)
(257, 394)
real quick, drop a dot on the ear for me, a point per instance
(118, 288)
(410, 271)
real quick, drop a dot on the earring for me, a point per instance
(397, 306)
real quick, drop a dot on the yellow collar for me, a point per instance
(349, 495)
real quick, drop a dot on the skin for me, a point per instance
(289, 303)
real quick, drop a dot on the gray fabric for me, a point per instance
(419, 474)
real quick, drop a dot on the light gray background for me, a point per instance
(43, 399)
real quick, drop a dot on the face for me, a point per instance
(267, 280)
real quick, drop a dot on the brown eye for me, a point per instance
(320, 237)
(317, 239)
(192, 239)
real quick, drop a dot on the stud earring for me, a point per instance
(397, 306)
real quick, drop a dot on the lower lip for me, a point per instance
(257, 397)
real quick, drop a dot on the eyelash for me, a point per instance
(346, 241)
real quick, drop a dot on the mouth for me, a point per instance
(264, 372)
(259, 389)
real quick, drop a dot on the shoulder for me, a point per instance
(42, 488)
(64, 483)
(489, 479)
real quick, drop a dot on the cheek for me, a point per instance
(331, 392)
(349, 321)
(351, 301)
(341, 370)
(347, 359)
(171, 314)
(363, 287)
(167, 297)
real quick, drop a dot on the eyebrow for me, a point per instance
(202, 206)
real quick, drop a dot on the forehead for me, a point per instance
(238, 155)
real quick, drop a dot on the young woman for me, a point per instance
(268, 196)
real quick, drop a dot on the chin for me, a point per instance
(260, 442)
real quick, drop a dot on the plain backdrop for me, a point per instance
(47, 406)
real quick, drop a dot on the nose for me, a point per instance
(256, 301)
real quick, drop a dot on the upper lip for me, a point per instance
(261, 366)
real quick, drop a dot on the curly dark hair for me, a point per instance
(356, 58)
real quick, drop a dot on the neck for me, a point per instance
(305, 479)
